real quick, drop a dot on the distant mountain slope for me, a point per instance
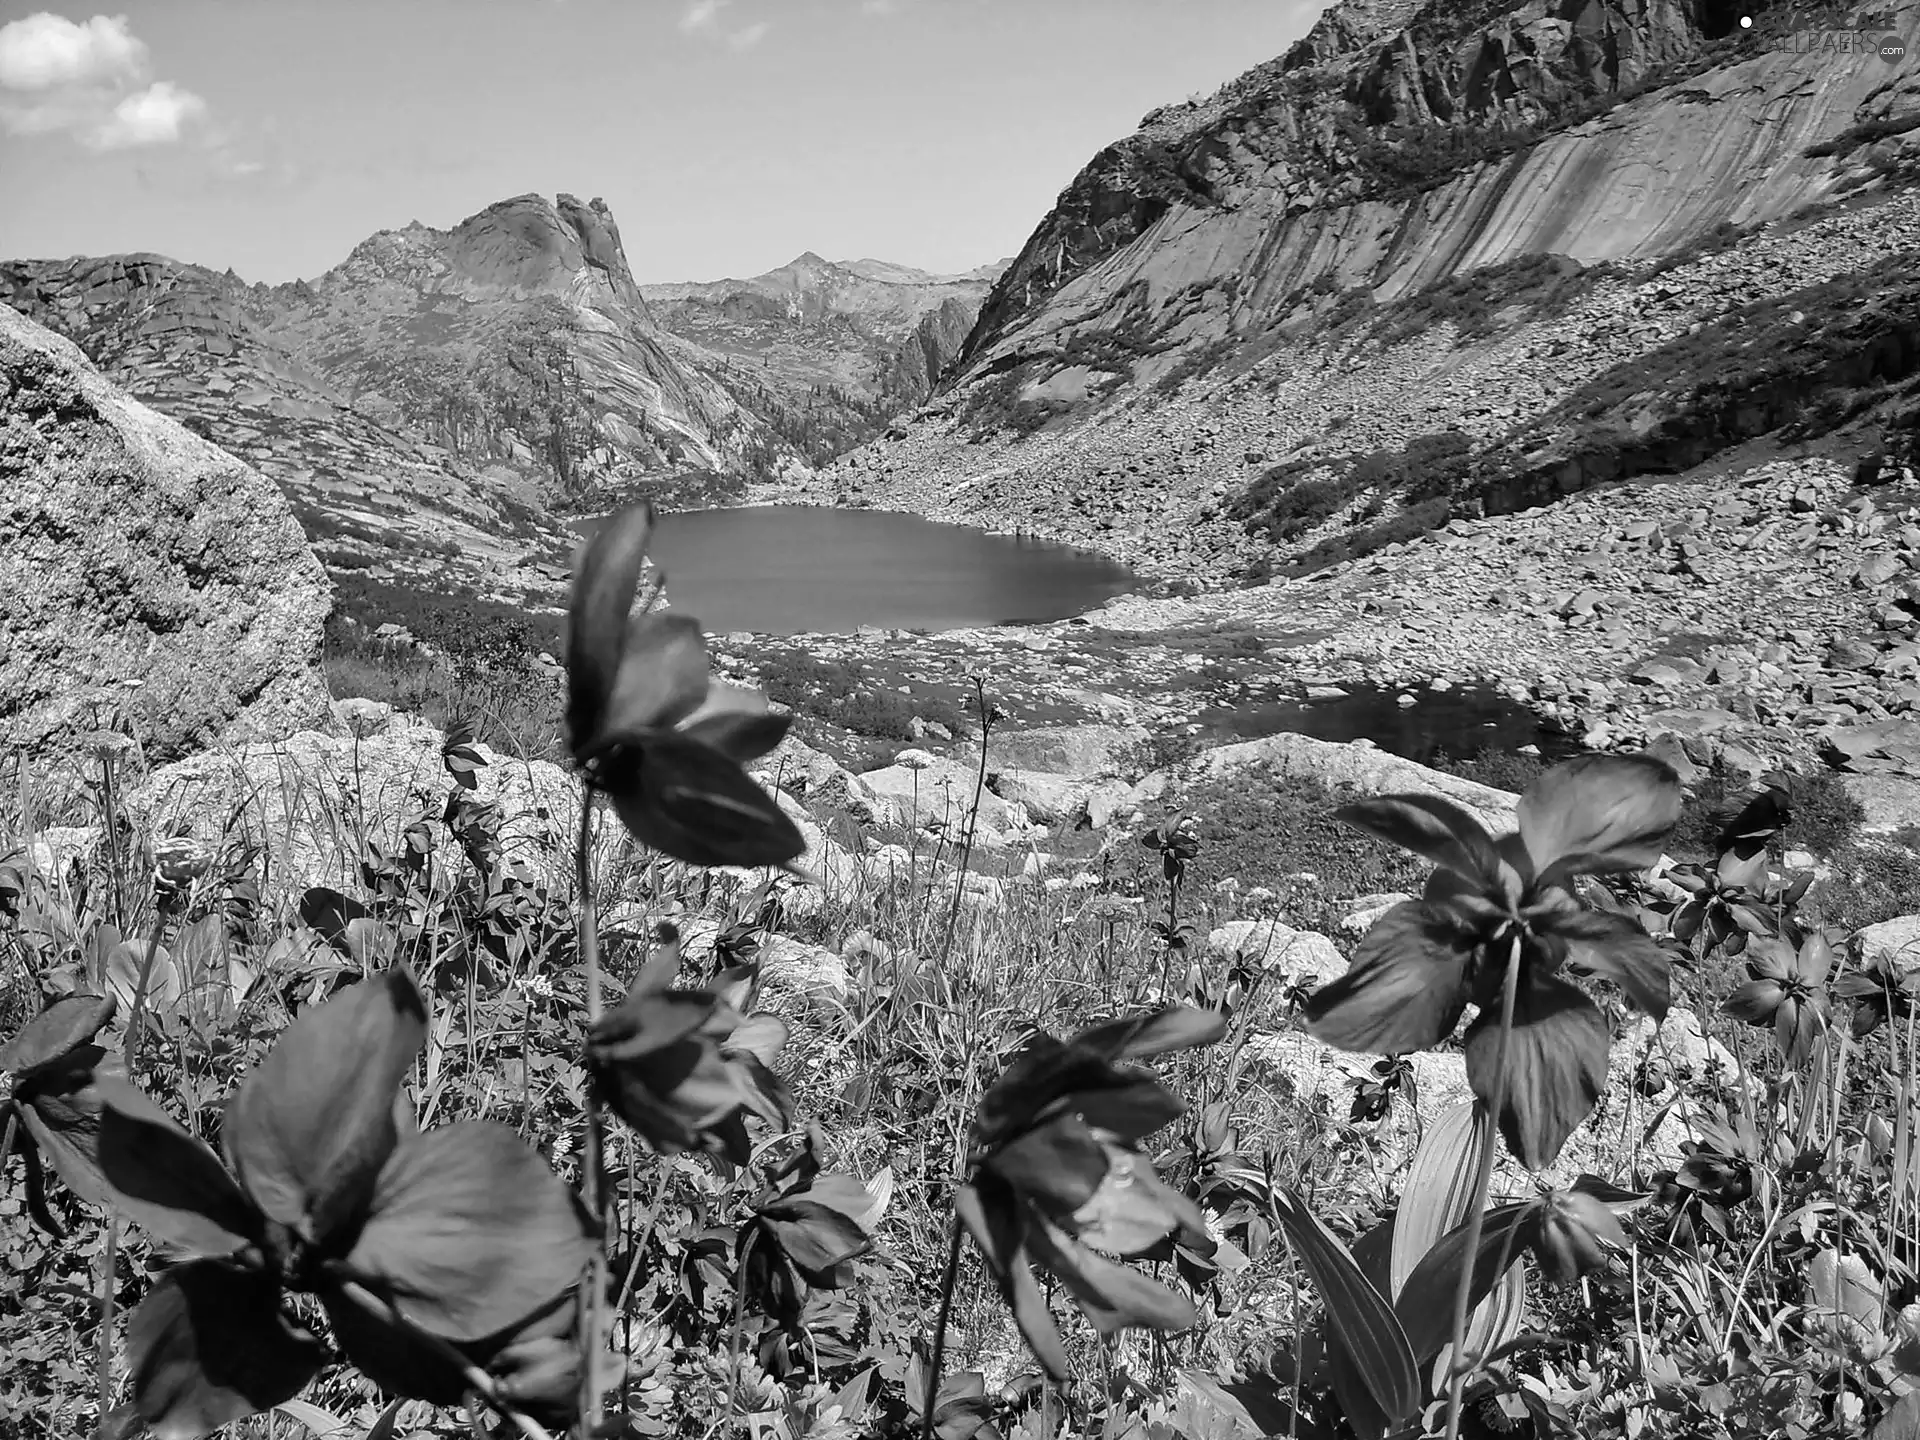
(200, 347)
(427, 402)
(1440, 223)
(826, 352)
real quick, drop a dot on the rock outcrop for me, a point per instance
(1331, 258)
(143, 570)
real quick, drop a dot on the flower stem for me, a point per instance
(481, 1382)
(593, 1296)
(1482, 1183)
(947, 1282)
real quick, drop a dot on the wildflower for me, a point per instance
(45, 1099)
(1569, 1230)
(180, 861)
(1880, 990)
(1493, 902)
(1788, 991)
(431, 1252)
(1055, 1176)
(649, 726)
(685, 1067)
(1178, 841)
(805, 1232)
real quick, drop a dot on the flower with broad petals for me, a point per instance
(1055, 1177)
(1881, 990)
(435, 1254)
(803, 1232)
(685, 1068)
(46, 1075)
(651, 728)
(1570, 1230)
(1425, 960)
(1788, 992)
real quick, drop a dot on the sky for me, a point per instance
(727, 136)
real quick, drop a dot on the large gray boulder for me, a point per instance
(1368, 769)
(141, 564)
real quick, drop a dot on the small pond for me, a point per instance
(792, 569)
(1459, 722)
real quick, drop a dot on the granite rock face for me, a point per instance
(132, 550)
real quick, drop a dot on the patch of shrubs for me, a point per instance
(845, 695)
(1264, 828)
(1824, 818)
(1865, 133)
(1507, 770)
(455, 618)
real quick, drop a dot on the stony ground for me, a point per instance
(1759, 606)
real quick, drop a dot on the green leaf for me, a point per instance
(1357, 1314)
(1597, 814)
(394, 1356)
(468, 1231)
(321, 1424)
(663, 675)
(1556, 1065)
(329, 913)
(1426, 1305)
(735, 721)
(1901, 1422)
(1113, 1296)
(605, 576)
(209, 1346)
(309, 1129)
(1432, 828)
(1439, 1191)
(1615, 948)
(815, 1237)
(990, 1217)
(166, 1181)
(1059, 1163)
(1404, 991)
(1161, 1032)
(692, 803)
(1131, 1109)
(61, 1111)
(49, 1037)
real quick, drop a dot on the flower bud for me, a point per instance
(180, 861)
(1569, 1231)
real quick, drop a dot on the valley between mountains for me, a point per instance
(1568, 352)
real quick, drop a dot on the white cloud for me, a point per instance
(154, 116)
(702, 16)
(90, 80)
(880, 7)
(44, 51)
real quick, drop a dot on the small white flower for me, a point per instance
(538, 986)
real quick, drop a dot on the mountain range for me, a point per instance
(439, 400)
(1436, 262)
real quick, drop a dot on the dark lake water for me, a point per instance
(788, 569)
(1460, 722)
